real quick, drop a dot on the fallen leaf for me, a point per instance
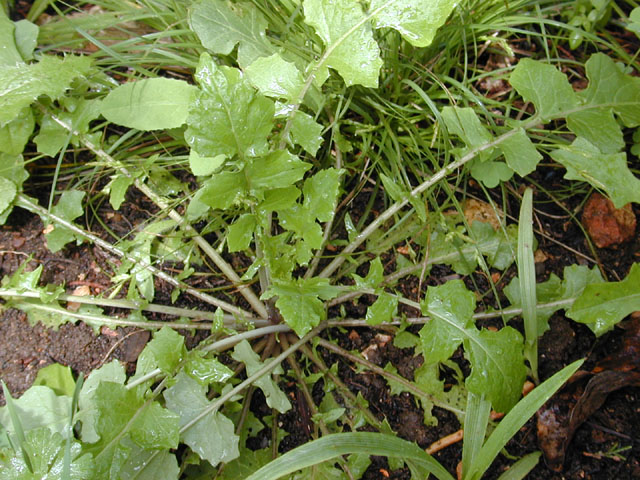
(476, 210)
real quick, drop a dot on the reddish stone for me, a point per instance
(607, 225)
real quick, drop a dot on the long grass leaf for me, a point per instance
(332, 446)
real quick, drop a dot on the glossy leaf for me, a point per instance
(20, 85)
(520, 153)
(15, 134)
(39, 407)
(275, 77)
(278, 169)
(149, 104)
(602, 305)
(229, 117)
(26, 36)
(417, 21)
(8, 192)
(321, 193)
(69, 207)
(605, 171)
(165, 351)
(156, 428)
(374, 275)
(240, 233)
(306, 132)
(382, 310)
(221, 25)
(206, 370)
(348, 38)
(212, 437)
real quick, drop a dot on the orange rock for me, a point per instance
(607, 225)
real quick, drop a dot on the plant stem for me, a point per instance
(224, 267)
(25, 202)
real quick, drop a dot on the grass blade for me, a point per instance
(475, 428)
(517, 417)
(17, 426)
(527, 278)
(335, 445)
(522, 467)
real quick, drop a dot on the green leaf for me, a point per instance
(498, 370)
(278, 169)
(335, 445)
(306, 132)
(275, 397)
(46, 452)
(299, 301)
(602, 305)
(58, 378)
(279, 199)
(221, 25)
(138, 467)
(301, 220)
(204, 165)
(240, 233)
(229, 117)
(115, 406)
(610, 86)
(87, 409)
(156, 428)
(348, 38)
(383, 309)
(491, 173)
(321, 193)
(545, 86)
(165, 351)
(117, 189)
(450, 307)
(275, 77)
(69, 207)
(223, 190)
(605, 171)
(26, 36)
(149, 104)
(8, 193)
(416, 21)
(15, 134)
(521, 155)
(212, 437)
(39, 407)
(51, 137)
(464, 123)
(599, 127)
(20, 85)
(9, 54)
(374, 275)
(206, 370)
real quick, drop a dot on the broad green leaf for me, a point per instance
(416, 20)
(223, 189)
(117, 189)
(26, 36)
(602, 305)
(149, 104)
(275, 397)
(491, 173)
(275, 77)
(279, 199)
(138, 467)
(240, 233)
(301, 220)
(382, 310)
(374, 275)
(497, 366)
(450, 307)
(9, 54)
(605, 171)
(15, 134)
(545, 86)
(229, 117)
(165, 351)
(299, 301)
(206, 370)
(204, 165)
(599, 127)
(87, 410)
(156, 428)
(46, 451)
(39, 407)
(51, 137)
(221, 25)
(212, 437)
(20, 85)
(464, 123)
(610, 86)
(58, 378)
(115, 406)
(306, 132)
(520, 153)
(321, 193)
(278, 169)
(348, 39)
(8, 192)
(69, 207)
